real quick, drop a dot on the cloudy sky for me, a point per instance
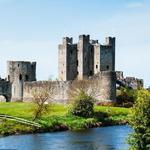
(32, 29)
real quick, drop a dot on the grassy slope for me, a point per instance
(57, 116)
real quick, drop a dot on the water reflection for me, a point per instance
(107, 138)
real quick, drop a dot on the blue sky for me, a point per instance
(32, 29)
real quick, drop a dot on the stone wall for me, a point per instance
(105, 86)
(5, 89)
(59, 88)
(130, 82)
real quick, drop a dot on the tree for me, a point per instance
(140, 122)
(42, 99)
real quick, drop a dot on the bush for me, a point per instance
(126, 97)
(140, 122)
(83, 105)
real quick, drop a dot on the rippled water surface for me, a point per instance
(105, 138)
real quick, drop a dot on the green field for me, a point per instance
(57, 116)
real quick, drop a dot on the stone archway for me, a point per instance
(5, 90)
(2, 98)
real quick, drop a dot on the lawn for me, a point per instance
(25, 110)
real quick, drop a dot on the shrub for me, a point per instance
(140, 122)
(126, 97)
(83, 105)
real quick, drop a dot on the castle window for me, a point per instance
(107, 67)
(77, 72)
(26, 77)
(18, 65)
(71, 52)
(91, 72)
(91, 49)
(8, 77)
(20, 77)
(96, 66)
(77, 62)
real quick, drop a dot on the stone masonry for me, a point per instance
(85, 58)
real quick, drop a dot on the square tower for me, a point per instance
(85, 57)
(67, 65)
(104, 56)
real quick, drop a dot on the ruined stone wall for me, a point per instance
(5, 89)
(17, 73)
(130, 82)
(59, 88)
(105, 88)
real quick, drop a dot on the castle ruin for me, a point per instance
(87, 59)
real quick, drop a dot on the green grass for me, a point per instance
(58, 115)
(25, 110)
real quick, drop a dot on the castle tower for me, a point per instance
(104, 56)
(107, 55)
(67, 65)
(85, 57)
(19, 72)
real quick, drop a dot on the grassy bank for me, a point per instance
(58, 118)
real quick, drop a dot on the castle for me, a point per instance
(87, 59)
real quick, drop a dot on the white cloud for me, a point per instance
(135, 5)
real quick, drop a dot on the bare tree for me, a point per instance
(42, 96)
(88, 86)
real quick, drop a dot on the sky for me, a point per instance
(30, 30)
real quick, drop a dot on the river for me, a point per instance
(104, 138)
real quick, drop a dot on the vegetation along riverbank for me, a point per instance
(57, 119)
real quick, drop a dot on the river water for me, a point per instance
(104, 138)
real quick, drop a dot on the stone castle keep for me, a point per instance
(87, 59)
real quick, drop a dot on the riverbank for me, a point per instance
(58, 118)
